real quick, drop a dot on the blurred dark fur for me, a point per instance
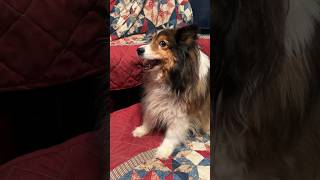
(101, 107)
(267, 101)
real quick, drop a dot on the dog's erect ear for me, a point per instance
(187, 35)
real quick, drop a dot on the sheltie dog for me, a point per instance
(176, 87)
(267, 89)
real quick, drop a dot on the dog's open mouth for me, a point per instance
(149, 64)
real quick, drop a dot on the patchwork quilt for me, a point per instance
(190, 161)
(133, 158)
(128, 17)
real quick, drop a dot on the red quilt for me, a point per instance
(123, 146)
(124, 69)
(45, 42)
(133, 158)
(78, 158)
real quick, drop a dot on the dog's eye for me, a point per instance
(162, 43)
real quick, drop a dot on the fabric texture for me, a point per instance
(125, 66)
(129, 17)
(133, 158)
(44, 42)
(190, 161)
(123, 146)
(76, 159)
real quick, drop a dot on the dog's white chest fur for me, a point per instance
(163, 106)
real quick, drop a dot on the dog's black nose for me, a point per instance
(140, 51)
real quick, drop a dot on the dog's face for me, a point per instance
(164, 50)
(159, 47)
(159, 51)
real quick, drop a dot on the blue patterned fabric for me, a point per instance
(130, 17)
(189, 161)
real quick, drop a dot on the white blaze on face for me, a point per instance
(149, 54)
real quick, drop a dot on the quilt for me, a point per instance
(45, 42)
(78, 158)
(133, 158)
(189, 161)
(128, 17)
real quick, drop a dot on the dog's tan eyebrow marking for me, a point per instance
(155, 42)
(162, 37)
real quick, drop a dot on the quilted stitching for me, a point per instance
(20, 15)
(20, 5)
(123, 146)
(188, 161)
(21, 72)
(77, 158)
(10, 69)
(124, 71)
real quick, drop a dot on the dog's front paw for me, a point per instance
(140, 131)
(164, 152)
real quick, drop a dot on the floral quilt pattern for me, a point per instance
(128, 17)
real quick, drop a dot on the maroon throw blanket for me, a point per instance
(45, 42)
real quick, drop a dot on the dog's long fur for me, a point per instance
(176, 92)
(267, 89)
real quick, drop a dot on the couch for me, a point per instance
(52, 84)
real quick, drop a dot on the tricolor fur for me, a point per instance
(176, 87)
(267, 89)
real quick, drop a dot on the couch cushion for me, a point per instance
(46, 42)
(76, 159)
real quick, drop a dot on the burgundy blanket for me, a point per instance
(123, 146)
(55, 49)
(76, 159)
(45, 42)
